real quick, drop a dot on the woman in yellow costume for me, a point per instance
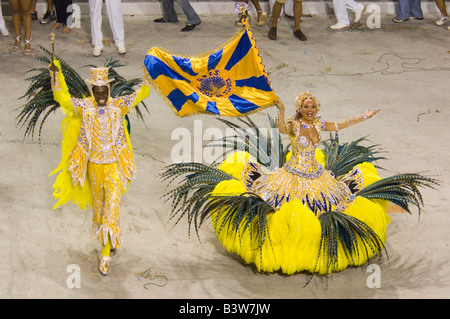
(303, 177)
(321, 211)
(97, 162)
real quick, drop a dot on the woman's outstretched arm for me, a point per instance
(339, 125)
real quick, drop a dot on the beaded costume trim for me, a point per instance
(295, 171)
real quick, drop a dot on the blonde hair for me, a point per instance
(302, 97)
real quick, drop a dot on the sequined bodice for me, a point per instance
(303, 160)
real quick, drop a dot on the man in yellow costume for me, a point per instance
(102, 157)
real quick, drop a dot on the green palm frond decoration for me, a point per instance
(265, 145)
(341, 158)
(339, 229)
(195, 184)
(193, 197)
(401, 189)
(269, 150)
(39, 97)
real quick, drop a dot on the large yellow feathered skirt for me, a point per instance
(294, 231)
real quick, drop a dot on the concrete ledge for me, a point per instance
(225, 8)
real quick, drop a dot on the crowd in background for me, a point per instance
(59, 13)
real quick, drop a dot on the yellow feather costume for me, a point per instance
(64, 189)
(294, 230)
(82, 156)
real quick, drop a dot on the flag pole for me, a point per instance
(53, 67)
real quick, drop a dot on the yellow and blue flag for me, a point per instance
(230, 81)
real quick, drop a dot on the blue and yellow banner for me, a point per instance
(229, 81)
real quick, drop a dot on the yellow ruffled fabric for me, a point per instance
(126, 163)
(64, 189)
(78, 165)
(294, 231)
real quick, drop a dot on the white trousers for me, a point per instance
(2, 22)
(340, 9)
(114, 11)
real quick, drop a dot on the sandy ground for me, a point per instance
(401, 69)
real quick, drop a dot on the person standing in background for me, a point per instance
(444, 15)
(276, 11)
(115, 16)
(21, 16)
(170, 14)
(408, 9)
(62, 15)
(49, 15)
(3, 31)
(34, 15)
(340, 10)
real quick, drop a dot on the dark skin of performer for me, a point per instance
(101, 93)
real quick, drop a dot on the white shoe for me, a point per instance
(441, 21)
(4, 32)
(121, 48)
(339, 26)
(358, 14)
(97, 51)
